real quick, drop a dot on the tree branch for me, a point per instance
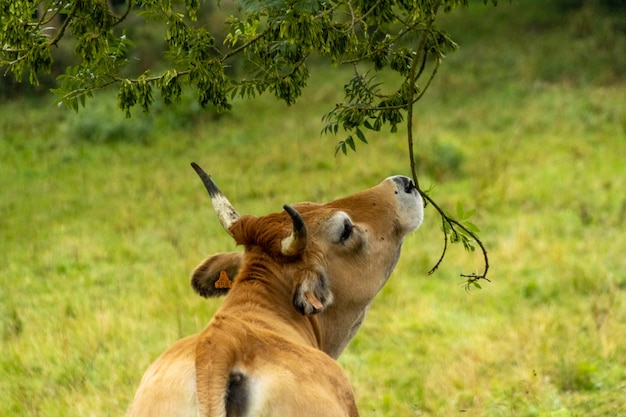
(64, 26)
(452, 223)
(244, 46)
(411, 81)
(126, 13)
(472, 278)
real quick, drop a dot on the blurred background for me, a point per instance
(102, 220)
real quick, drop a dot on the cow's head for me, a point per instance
(347, 247)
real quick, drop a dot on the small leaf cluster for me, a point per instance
(462, 235)
(398, 36)
(457, 229)
(24, 42)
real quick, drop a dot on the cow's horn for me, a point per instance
(225, 211)
(295, 243)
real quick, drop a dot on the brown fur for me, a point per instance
(258, 333)
(260, 355)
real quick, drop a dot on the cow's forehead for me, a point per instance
(381, 192)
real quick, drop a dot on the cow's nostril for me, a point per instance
(409, 186)
(404, 184)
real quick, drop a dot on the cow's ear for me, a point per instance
(212, 277)
(312, 294)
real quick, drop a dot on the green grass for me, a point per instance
(102, 220)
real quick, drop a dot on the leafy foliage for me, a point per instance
(274, 40)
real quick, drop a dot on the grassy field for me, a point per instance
(102, 220)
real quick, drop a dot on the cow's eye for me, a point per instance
(347, 230)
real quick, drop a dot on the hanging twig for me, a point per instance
(449, 225)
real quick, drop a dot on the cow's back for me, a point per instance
(168, 388)
(273, 377)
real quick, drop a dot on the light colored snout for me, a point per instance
(410, 203)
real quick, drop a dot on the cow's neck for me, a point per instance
(262, 296)
(342, 319)
(339, 325)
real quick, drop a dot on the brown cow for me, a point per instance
(266, 352)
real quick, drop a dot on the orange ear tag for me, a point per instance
(223, 281)
(315, 302)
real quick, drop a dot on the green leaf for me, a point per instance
(350, 142)
(459, 210)
(360, 135)
(341, 146)
(471, 227)
(468, 245)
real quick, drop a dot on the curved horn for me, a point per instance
(225, 211)
(295, 243)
